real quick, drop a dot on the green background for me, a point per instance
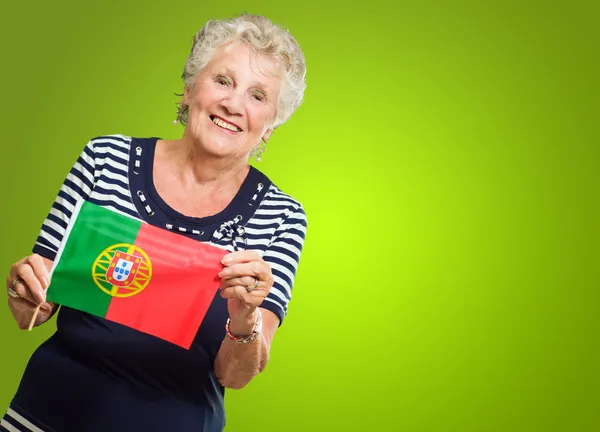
(447, 155)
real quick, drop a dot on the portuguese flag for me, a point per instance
(127, 271)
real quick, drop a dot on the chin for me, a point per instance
(220, 148)
(215, 142)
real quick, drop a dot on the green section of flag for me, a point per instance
(95, 229)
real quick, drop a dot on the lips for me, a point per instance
(224, 124)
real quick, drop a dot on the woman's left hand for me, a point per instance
(246, 281)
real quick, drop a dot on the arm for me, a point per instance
(237, 363)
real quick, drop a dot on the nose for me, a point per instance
(233, 102)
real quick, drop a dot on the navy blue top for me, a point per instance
(97, 375)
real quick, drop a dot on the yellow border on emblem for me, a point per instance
(100, 267)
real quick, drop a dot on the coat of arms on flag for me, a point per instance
(122, 270)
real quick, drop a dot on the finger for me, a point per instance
(239, 292)
(12, 275)
(39, 268)
(30, 285)
(240, 257)
(241, 281)
(257, 269)
(23, 311)
(24, 303)
(47, 307)
(23, 293)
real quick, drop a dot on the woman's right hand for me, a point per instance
(26, 284)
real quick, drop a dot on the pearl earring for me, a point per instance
(180, 112)
(261, 149)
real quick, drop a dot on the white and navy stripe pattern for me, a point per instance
(276, 230)
(100, 176)
(15, 422)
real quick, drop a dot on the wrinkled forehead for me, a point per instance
(236, 51)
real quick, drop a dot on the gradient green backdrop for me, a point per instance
(447, 156)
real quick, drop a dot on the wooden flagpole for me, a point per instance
(33, 318)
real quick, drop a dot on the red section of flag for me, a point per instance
(183, 284)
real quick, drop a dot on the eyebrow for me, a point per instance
(257, 84)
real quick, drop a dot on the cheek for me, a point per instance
(262, 119)
(195, 117)
(205, 95)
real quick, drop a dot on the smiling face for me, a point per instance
(233, 101)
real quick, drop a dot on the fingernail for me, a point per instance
(226, 259)
(45, 282)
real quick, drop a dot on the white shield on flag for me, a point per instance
(123, 269)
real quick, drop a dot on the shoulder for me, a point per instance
(284, 208)
(276, 199)
(107, 140)
(116, 144)
(116, 141)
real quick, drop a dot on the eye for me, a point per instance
(222, 80)
(259, 96)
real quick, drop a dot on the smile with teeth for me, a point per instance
(225, 125)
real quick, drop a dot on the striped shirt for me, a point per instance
(89, 355)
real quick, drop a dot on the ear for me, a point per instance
(267, 135)
(185, 100)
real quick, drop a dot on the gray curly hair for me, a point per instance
(264, 38)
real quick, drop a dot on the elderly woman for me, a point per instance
(243, 78)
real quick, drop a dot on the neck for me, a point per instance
(203, 169)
